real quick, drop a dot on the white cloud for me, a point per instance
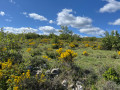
(8, 20)
(84, 24)
(11, 1)
(116, 22)
(24, 13)
(111, 6)
(92, 30)
(2, 13)
(19, 30)
(48, 29)
(51, 21)
(65, 18)
(37, 17)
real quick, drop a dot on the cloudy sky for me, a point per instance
(83, 17)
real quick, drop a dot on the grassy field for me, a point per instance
(29, 64)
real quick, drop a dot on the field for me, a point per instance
(33, 62)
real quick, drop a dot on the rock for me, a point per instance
(38, 72)
(78, 86)
(48, 72)
(64, 83)
(71, 86)
(55, 71)
(44, 65)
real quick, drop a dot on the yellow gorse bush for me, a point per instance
(59, 50)
(71, 45)
(17, 80)
(28, 49)
(49, 49)
(7, 64)
(28, 74)
(13, 80)
(57, 44)
(68, 55)
(15, 88)
(87, 45)
(46, 57)
(45, 40)
(30, 40)
(4, 49)
(40, 78)
(99, 47)
(85, 53)
(118, 52)
(32, 43)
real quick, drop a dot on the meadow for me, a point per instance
(50, 62)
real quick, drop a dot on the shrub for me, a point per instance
(112, 75)
(87, 45)
(111, 41)
(118, 52)
(73, 44)
(68, 55)
(35, 52)
(85, 53)
(114, 56)
(52, 55)
(31, 36)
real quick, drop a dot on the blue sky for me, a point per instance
(83, 17)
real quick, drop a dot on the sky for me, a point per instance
(84, 17)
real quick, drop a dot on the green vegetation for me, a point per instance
(50, 62)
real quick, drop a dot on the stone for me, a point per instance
(78, 86)
(48, 72)
(71, 86)
(64, 83)
(55, 71)
(38, 72)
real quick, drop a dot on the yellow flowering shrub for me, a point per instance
(68, 55)
(28, 74)
(17, 81)
(15, 88)
(45, 40)
(46, 57)
(10, 73)
(57, 45)
(32, 43)
(49, 49)
(4, 49)
(71, 45)
(42, 78)
(5, 65)
(30, 40)
(94, 46)
(85, 53)
(59, 50)
(87, 45)
(99, 47)
(118, 52)
(28, 49)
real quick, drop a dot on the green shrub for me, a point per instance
(35, 52)
(52, 54)
(112, 75)
(114, 56)
(111, 41)
(31, 36)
